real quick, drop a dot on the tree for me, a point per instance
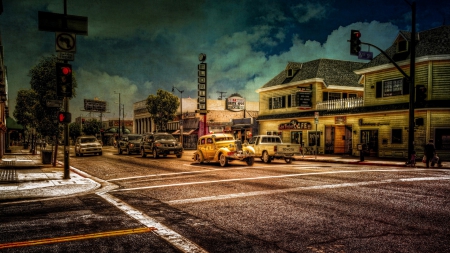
(92, 127)
(26, 101)
(162, 108)
(43, 82)
(74, 130)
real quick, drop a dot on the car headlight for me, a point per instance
(131, 145)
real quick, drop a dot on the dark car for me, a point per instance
(130, 143)
(160, 144)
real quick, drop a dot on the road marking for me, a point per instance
(175, 239)
(76, 237)
(316, 187)
(262, 178)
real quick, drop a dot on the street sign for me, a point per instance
(54, 103)
(65, 42)
(365, 55)
(66, 56)
(55, 22)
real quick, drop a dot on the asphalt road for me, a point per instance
(172, 205)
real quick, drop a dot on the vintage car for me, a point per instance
(222, 148)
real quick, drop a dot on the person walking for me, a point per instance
(430, 151)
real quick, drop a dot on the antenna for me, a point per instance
(221, 94)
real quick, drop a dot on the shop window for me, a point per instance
(397, 136)
(442, 139)
(296, 137)
(312, 135)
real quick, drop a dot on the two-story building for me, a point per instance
(331, 105)
(291, 102)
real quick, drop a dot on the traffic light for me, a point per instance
(63, 80)
(355, 43)
(64, 117)
(421, 93)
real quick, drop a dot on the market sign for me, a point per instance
(235, 103)
(294, 124)
(303, 97)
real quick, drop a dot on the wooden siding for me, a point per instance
(370, 98)
(440, 88)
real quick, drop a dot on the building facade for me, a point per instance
(343, 104)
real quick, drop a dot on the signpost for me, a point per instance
(65, 27)
(316, 120)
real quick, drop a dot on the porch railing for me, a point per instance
(341, 104)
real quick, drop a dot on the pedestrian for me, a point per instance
(430, 151)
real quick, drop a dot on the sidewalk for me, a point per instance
(23, 176)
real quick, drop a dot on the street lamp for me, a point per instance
(181, 111)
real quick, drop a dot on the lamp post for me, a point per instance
(119, 116)
(181, 112)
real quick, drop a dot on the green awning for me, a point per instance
(12, 124)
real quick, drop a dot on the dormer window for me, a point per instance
(290, 73)
(402, 46)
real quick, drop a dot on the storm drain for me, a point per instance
(8, 176)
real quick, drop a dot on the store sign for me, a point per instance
(294, 125)
(236, 103)
(303, 96)
(340, 120)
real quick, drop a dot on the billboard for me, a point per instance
(93, 105)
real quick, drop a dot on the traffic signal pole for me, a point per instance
(66, 125)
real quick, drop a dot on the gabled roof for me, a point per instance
(431, 42)
(333, 72)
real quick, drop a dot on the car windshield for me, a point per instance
(86, 140)
(224, 139)
(164, 138)
(134, 137)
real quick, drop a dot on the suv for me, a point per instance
(87, 145)
(222, 148)
(160, 144)
(130, 143)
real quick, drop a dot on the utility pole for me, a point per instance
(181, 113)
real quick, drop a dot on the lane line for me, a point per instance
(175, 239)
(316, 187)
(263, 177)
(75, 237)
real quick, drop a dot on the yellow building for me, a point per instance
(332, 106)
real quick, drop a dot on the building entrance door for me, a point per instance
(370, 137)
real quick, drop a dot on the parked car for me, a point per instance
(130, 143)
(270, 147)
(222, 148)
(87, 145)
(160, 144)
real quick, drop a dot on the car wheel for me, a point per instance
(266, 157)
(143, 154)
(100, 153)
(120, 151)
(199, 157)
(223, 160)
(81, 154)
(179, 156)
(288, 160)
(128, 151)
(250, 161)
(155, 153)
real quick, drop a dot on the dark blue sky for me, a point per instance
(137, 47)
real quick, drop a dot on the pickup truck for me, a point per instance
(269, 147)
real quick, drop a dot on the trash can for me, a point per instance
(46, 156)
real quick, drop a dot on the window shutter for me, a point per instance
(270, 103)
(283, 101)
(379, 88)
(289, 100)
(324, 96)
(405, 86)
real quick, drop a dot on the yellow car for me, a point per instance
(222, 148)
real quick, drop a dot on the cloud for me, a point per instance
(306, 12)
